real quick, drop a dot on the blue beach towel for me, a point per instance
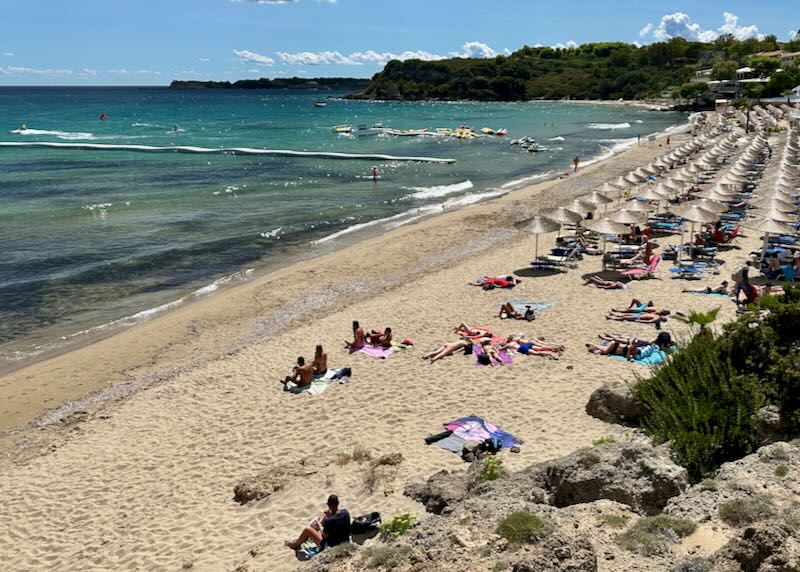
(538, 307)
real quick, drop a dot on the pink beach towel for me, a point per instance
(377, 351)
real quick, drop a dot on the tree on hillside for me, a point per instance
(764, 67)
(724, 69)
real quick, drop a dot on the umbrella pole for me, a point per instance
(536, 249)
(605, 238)
(764, 248)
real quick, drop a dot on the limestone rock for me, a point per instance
(270, 481)
(439, 491)
(615, 403)
(637, 475)
(755, 545)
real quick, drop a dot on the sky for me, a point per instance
(151, 42)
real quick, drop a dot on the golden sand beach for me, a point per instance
(140, 476)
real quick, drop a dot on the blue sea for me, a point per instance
(92, 240)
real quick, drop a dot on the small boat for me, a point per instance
(501, 132)
(320, 104)
(406, 132)
(464, 132)
(342, 129)
(363, 130)
(496, 133)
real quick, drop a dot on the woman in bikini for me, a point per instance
(320, 362)
(467, 331)
(598, 282)
(448, 349)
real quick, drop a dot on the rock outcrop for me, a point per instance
(440, 491)
(615, 403)
(270, 481)
(761, 547)
(638, 475)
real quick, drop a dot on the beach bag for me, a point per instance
(366, 523)
(468, 350)
(492, 445)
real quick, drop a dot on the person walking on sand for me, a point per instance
(575, 163)
(327, 531)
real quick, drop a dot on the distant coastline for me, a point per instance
(300, 83)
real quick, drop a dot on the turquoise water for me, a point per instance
(89, 237)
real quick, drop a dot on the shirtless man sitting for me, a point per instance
(302, 374)
(382, 339)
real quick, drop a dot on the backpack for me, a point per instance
(491, 445)
(366, 523)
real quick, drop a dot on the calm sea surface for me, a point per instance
(94, 240)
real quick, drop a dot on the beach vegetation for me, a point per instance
(649, 535)
(359, 454)
(604, 440)
(397, 526)
(386, 556)
(613, 520)
(739, 512)
(694, 564)
(522, 527)
(600, 70)
(700, 321)
(704, 399)
(491, 470)
(709, 485)
(781, 471)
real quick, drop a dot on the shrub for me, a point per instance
(522, 527)
(358, 455)
(781, 471)
(398, 526)
(700, 404)
(491, 470)
(388, 557)
(745, 511)
(693, 565)
(613, 520)
(709, 485)
(603, 440)
(650, 534)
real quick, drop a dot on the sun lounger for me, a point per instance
(564, 262)
(646, 272)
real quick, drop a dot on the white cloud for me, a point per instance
(477, 50)
(204, 60)
(794, 34)
(123, 71)
(679, 24)
(316, 58)
(8, 54)
(86, 72)
(17, 70)
(569, 44)
(254, 58)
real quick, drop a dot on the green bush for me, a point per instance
(613, 520)
(700, 404)
(745, 511)
(388, 557)
(398, 526)
(693, 565)
(491, 470)
(649, 536)
(605, 439)
(781, 471)
(522, 527)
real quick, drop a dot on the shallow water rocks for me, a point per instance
(615, 403)
(634, 474)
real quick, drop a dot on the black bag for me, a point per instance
(366, 523)
(468, 350)
(491, 445)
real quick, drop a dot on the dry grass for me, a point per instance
(359, 454)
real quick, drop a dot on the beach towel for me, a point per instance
(716, 294)
(648, 355)
(538, 307)
(316, 388)
(505, 357)
(376, 351)
(473, 428)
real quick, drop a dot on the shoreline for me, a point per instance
(321, 246)
(173, 342)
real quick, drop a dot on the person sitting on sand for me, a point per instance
(302, 374)
(721, 289)
(448, 349)
(327, 531)
(507, 311)
(359, 340)
(320, 362)
(382, 339)
(492, 282)
(598, 282)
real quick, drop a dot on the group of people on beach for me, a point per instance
(304, 373)
(372, 337)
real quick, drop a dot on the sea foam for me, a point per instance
(66, 135)
(607, 126)
(438, 190)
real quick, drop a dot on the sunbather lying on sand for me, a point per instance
(627, 347)
(507, 311)
(641, 317)
(598, 282)
(637, 307)
(382, 339)
(490, 352)
(448, 349)
(302, 374)
(721, 289)
(359, 340)
(492, 282)
(532, 346)
(468, 331)
(663, 339)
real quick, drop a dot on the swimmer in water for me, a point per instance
(375, 174)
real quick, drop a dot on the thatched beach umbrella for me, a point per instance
(774, 214)
(540, 225)
(709, 205)
(774, 203)
(605, 227)
(626, 216)
(562, 215)
(636, 206)
(694, 214)
(580, 206)
(768, 227)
